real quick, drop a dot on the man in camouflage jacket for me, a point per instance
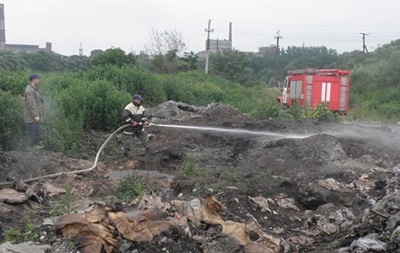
(33, 111)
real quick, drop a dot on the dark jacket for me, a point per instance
(33, 105)
(133, 112)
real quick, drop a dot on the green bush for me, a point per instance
(82, 106)
(267, 110)
(320, 113)
(11, 121)
(11, 61)
(197, 88)
(13, 82)
(132, 79)
(98, 103)
(113, 56)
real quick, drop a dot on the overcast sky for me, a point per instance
(101, 24)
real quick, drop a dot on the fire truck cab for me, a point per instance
(309, 88)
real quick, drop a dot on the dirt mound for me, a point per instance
(18, 165)
(173, 112)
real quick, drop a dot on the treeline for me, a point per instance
(85, 93)
(42, 61)
(375, 85)
(249, 69)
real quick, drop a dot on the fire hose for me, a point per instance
(7, 184)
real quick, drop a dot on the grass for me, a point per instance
(228, 177)
(12, 235)
(191, 168)
(28, 233)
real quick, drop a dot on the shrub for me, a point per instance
(113, 56)
(11, 121)
(320, 113)
(132, 79)
(99, 104)
(267, 110)
(13, 82)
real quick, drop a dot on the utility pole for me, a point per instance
(208, 31)
(365, 50)
(277, 54)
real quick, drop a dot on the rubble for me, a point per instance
(262, 202)
(367, 244)
(95, 231)
(24, 247)
(333, 185)
(285, 202)
(22, 192)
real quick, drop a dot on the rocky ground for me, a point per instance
(299, 186)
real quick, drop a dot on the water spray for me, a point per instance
(233, 131)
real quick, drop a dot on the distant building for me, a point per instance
(17, 47)
(218, 45)
(264, 51)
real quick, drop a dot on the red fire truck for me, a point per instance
(311, 87)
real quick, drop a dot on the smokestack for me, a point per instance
(49, 47)
(230, 31)
(2, 27)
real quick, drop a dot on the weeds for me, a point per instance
(63, 206)
(28, 233)
(130, 188)
(12, 235)
(191, 168)
(228, 177)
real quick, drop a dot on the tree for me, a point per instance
(95, 52)
(191, 61)
(161, 42)
(113, 56)
(12, 61)
(232, 65)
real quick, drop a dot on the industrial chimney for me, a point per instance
(49, 47)
(230, 31)
(2, 28)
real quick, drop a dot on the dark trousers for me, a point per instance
(128, 140)
(33, 130)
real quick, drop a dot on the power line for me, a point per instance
(314, 25)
